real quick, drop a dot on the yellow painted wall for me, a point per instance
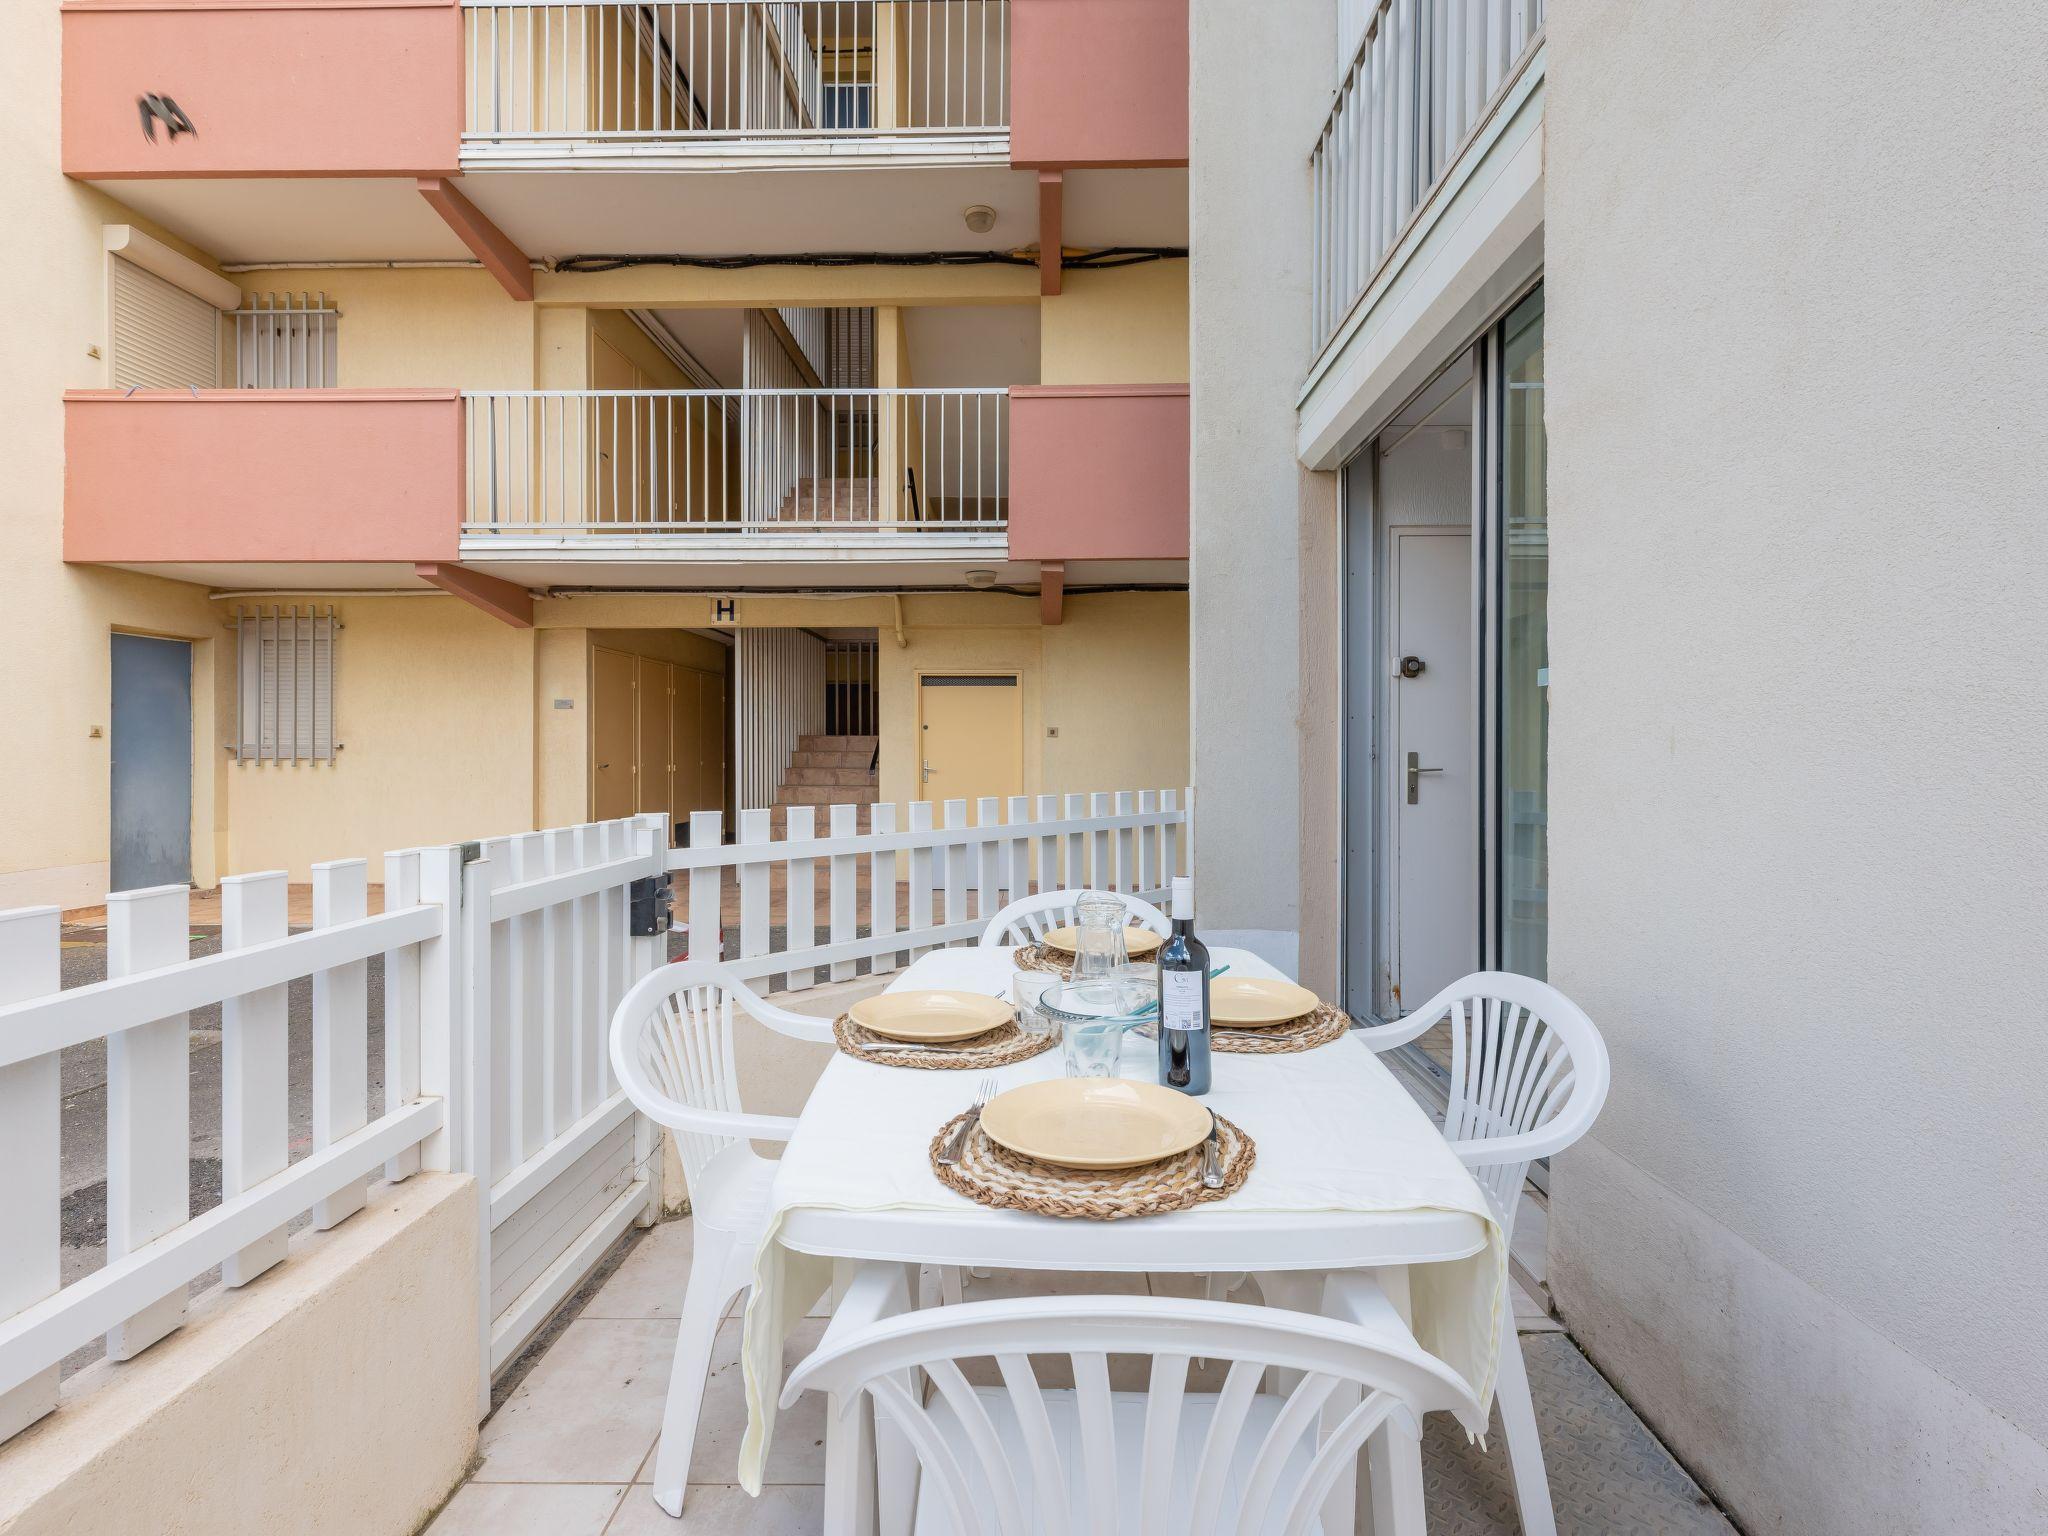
(434, 708)
(418, 327)
(1084, 678)
(1112, 678)
(55, 619)
(1124, 326)
(1116, 689)
(561, 737)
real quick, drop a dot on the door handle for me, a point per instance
(1415, 773)
(925, 773)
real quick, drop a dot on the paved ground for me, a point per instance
(570, 1446)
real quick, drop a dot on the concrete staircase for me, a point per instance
(825, 771)
(845, 500)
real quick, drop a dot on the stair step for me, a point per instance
(826, 777)
(857, 759)
(835, 743)
(825, 794)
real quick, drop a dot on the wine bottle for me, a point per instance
(1184, 998)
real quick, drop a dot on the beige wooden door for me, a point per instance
(611, 737)
(654, 787)
(970, 736)
(711, 723)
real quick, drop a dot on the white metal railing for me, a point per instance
(922, 876)
(645, 71)
(1421, 80)
(155, 1247)
(286, 341)
(598, 462)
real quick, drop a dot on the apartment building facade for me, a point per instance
(1613, 522)
(442, 415)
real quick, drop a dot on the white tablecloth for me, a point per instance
(1342, 1151)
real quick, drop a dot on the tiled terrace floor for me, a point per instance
(569, 1450)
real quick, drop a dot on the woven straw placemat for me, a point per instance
(1302, 1034)
(1036, 957)
(997, 1047)
(995, 1176)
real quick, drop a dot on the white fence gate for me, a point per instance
(563, 1163)
(503, 962)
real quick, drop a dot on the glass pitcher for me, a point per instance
(1099, 949)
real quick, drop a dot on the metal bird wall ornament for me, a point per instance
(154, 109)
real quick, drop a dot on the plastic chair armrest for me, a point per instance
(718, 1122)
(1384, 1037)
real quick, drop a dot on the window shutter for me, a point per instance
(164, 337)
(284, 686)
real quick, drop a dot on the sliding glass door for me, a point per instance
(1522, 681)
(1447, 680)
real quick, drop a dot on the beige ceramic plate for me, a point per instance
(1250, 1001)
(1137, 941)
(1095, 1122)
(930, 1016)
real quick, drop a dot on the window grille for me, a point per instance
(850, 349)
(284, 684)
(286, 341)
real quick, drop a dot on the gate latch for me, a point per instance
(652, 905)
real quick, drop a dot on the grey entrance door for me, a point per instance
(152, 763)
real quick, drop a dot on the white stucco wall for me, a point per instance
(1795, 356)
(335, 1396)
(1261, 526)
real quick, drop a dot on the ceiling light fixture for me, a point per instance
(981, 581)
(980, 218)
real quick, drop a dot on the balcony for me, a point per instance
(316, 125)
(1428, 184)
(1101, 473)
(309, 121)
(738, 475)
(362, 481)
(619, 83)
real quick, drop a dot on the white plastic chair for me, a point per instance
(672, 1048)
(1529, 1073)
(1023, 1460)
(1029, 919)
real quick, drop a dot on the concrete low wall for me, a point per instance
(335, 1394)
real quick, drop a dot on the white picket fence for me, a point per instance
(927, 884)
(155, 1249)
(503, 962)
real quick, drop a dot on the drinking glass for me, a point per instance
(1100, 948)
(1027, 991)
(1092, 1016)
(1139, 980)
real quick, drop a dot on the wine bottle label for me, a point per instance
(1180, 1002)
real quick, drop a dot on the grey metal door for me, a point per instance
(152, 763)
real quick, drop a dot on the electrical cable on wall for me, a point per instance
(1072, 258)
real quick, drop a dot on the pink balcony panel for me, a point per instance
(272, 87)
(1099, 472)
(165, 476)
(1098, 82)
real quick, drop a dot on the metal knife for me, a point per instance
(1212, 1156)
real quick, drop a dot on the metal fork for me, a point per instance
(950, 1154)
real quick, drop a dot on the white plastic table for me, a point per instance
(897, 1110)
(1336, 1136)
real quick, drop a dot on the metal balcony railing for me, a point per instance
(1423, 78)
(638, 73)
(555, 463)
